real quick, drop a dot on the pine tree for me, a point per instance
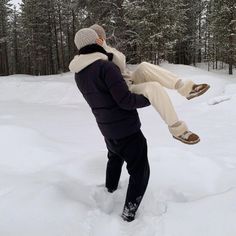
(4, 36)
(41, 37)
(14, 42)
(222, 13)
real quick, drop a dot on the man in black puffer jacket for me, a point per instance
(114, 107)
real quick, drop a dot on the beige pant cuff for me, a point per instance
(186, 88)
(178, 130)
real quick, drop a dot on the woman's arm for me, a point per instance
(118, 57)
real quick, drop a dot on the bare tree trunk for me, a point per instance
(61, 40)
(5, 66)
(50, 64)
(73, 29)
(194, 53)
(68, 44)
(199, 38)
(6, 59)
(231, 48)
(16, 68)
(205, 47)
(56, 44)
(216, 53)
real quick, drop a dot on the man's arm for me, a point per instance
(119, 89)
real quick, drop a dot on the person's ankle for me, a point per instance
(179, 84)
(128, 213)
(128, 217)
(176, 124)
(178, 128)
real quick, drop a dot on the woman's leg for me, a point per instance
(160, 100)
(147, 72)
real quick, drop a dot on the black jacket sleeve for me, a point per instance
(119, 89)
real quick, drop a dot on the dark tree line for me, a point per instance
(38, 38)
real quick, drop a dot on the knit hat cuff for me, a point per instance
(186, 88)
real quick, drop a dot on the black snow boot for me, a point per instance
(128, 215)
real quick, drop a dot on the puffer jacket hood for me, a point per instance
(83, 60)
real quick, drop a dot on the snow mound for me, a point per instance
(230, 89)
(24, 149)
(229, 92)
(60, 91)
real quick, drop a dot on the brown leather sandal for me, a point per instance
(188, 137)
(197, 90)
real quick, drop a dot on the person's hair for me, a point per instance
(99, 30)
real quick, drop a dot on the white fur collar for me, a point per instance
(84, 60)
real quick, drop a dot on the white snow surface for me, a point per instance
(53, 160)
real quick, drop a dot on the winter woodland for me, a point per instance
(37, 38)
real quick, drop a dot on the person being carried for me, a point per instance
(149, 80)
(114, 107)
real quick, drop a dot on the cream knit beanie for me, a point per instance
(84, 37)
(99, 30)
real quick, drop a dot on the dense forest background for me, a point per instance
(38, 38)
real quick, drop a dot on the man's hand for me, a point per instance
(99, 41)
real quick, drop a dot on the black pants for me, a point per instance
(132, 150)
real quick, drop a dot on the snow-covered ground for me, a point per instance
(53, 159)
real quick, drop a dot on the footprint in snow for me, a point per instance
(217, 100)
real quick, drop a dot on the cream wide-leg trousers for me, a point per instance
(150, 80)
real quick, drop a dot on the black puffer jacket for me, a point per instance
(106, 92)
